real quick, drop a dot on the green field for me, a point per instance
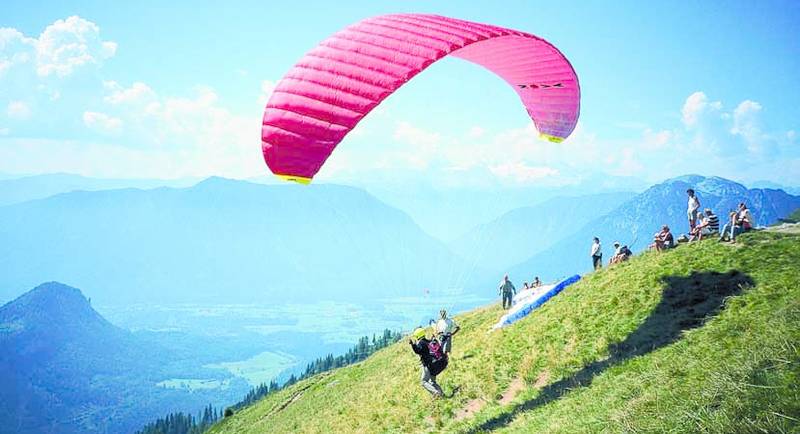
(703, 338)
(193, 384)
(261, 368)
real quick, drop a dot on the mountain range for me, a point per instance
(222, 240)
(22, 189)
(635, 221)
(522, 232)
(228, 240)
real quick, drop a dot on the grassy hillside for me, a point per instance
(703, 338)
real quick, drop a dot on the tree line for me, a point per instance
(180, 423)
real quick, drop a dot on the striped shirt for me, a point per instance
(713, 222)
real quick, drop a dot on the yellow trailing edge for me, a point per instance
(298, 179)
(553, 139)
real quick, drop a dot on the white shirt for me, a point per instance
(694, 203)
(445, 326)
(595, 249)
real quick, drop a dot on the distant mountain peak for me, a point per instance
(688, 178)
(52, 304)
(55, 292)
(219, 180)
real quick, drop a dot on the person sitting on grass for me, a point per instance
(709, 225)
(741, 221)
(621, 253)
(663, 239)
(432, 362)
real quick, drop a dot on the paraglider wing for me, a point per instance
(336, 84)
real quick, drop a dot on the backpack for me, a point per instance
(437, 366)
(436, 350)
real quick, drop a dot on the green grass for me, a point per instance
(703, 338)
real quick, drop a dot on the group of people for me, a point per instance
(707, 223)
(621, 253)
(434, 351)
(701, 224)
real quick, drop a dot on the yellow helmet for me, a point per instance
(419, 333)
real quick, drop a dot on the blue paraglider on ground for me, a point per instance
(526, 301)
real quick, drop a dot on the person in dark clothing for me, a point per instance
(507, 291)
(430, 365)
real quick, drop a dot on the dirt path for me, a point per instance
(517, 385)
(295, 396)
(513, 389)
(542, 380)
(470, 409)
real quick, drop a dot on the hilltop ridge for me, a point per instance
(700, 338)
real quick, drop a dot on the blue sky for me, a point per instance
(145, 89)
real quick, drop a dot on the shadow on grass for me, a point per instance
(685, 304)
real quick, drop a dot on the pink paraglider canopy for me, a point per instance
(337, 83)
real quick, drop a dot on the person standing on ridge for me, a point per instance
(693, 209)
(596, 253)
(507, 291)
(432, 364)
(446, 328)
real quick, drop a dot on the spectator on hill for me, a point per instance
(709, 225)
(693, 208)
(663, 239)
(621, 253)
(507, 291)
(446, 328)
(596, 253)
(616, 252)
(432, 364)
(536, 282)
(525, 286)
(726, 230)
(741, 221)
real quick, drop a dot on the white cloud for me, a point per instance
(747, 124)
(697, 107)
(18, 110)
(69, 44)
(203, 136)
(138, 93)
(652, 140)
(475, 132)
(408, 133)
(15, 49)
(102, 122)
